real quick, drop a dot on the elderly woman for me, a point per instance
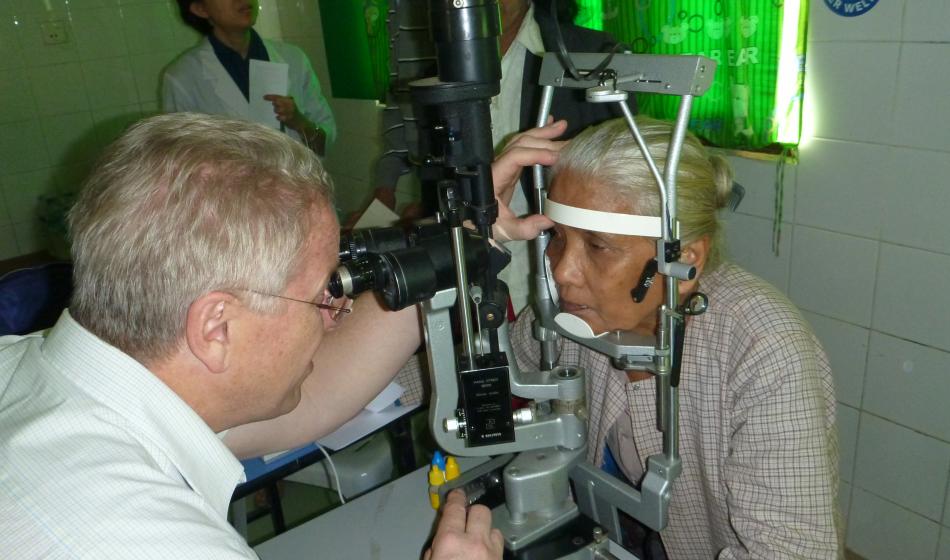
(757, 408)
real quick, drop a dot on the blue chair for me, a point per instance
(32, 299)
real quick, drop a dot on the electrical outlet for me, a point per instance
(54, 33)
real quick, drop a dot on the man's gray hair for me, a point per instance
(181, 205)
(608, 154)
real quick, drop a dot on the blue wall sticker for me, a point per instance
(850, 8)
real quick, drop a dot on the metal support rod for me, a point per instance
(669, 395)
(647, 156)
(672, 164)
(465, 305)
(537, 172)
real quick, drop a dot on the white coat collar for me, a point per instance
(221, 82)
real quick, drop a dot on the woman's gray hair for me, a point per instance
(181, 205)
(608, 154)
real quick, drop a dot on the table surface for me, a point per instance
(392, 522)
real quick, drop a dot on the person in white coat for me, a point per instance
(214, 77)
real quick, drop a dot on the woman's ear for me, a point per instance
(198, 8)
(694, 253)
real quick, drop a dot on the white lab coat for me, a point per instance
(198, 82)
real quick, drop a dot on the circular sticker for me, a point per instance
(850, 8)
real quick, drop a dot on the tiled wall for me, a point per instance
(61, 104)
(865, 253)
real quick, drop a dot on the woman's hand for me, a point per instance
(535, 146)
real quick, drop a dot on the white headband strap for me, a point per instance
(605, 222)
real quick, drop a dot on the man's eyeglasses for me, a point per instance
(334, 310)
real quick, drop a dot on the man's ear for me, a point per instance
(207, 330)
(694, 253)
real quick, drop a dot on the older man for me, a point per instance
(202, 250)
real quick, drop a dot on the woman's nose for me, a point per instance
(564, 267)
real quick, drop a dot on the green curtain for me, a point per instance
(357, 46)
(755, 100)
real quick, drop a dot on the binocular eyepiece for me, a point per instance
(407, 266)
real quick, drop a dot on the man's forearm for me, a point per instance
(353, 364)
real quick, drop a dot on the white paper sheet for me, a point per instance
(386, 397)
(376, 214)
(364, 423)
(266, 78)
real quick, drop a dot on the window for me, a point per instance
(756, 98)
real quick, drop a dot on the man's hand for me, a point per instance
(465, 534)
(535, 146)
(286, 111)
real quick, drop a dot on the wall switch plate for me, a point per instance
(54, 32)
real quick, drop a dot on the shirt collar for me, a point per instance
(529, 34)
(255, 48)
(155, 414)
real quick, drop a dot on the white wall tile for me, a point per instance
(22, 190)
(312, 45)
(926, 21)
(847, 422)
(833, 274)
(98, 33)
(16, 98)
(34, 51)
(185, 37)
(758, 177)
(111, 122)
(849, 91)
(943, 553)
(42, 7)
(916, 202)
(847, 348)
(946, 509)
(70, 139)
(922, 82)
(299, 18)
(30, 237)
(912, 301)
(58, 89)
(22, 147)
(362, 117)
(877, 24)
(4, 208)
(840, 186)
(909, 384)
(844, 501)
(8, 246)
(880, 530)
(9, 43)
(150, 28)
(109, 82)
(147, 69)
(75, 5)
(748, 242)
(901, 465)
(268, 20)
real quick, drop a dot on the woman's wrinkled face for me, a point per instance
(595, 271)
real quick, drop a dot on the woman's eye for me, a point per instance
(597, 246)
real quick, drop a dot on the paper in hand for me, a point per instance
(266, 78)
